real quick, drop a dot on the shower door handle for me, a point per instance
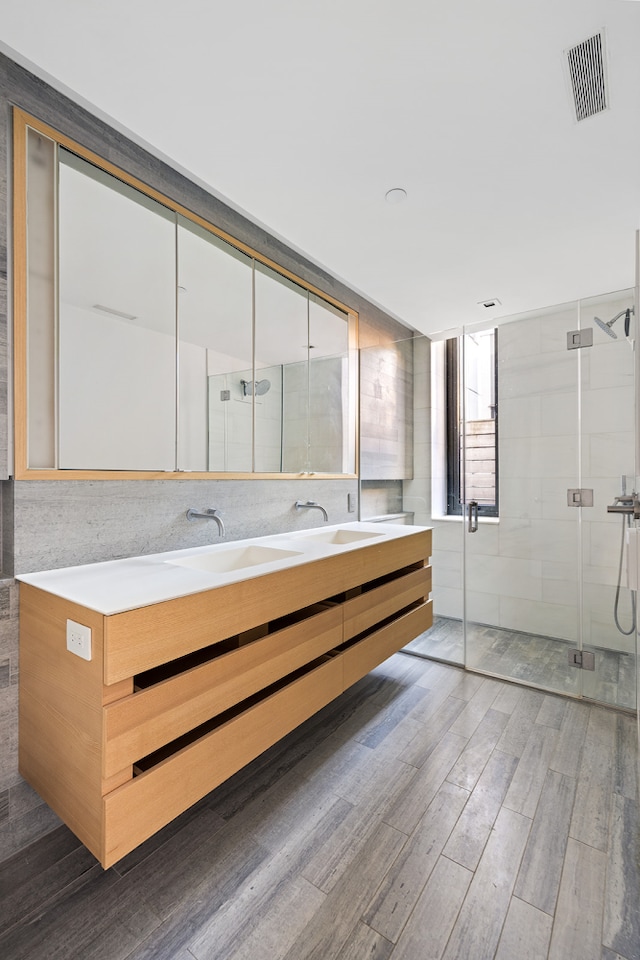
(472, 508)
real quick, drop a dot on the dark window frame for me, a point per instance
(453, 398)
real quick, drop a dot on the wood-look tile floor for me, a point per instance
(428, 813)
(526, 657)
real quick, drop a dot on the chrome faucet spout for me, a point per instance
(311, 505)
(207, 514)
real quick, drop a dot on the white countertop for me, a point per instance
(115, 586)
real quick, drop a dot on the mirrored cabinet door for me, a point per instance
(215, 347)
(146, 340)
(331, 389)
(40, 294)
(281, 385)
(116, 324)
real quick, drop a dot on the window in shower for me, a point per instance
(472, 422)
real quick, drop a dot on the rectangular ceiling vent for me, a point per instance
(587, 76)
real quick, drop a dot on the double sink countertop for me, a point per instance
(114, 586)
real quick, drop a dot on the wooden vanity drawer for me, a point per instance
(141, 723)
(367, 653)
(145, 637)
(134, 811)
(374, 605)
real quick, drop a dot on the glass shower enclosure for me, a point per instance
(530, 565)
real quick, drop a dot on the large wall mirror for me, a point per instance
(148, 343)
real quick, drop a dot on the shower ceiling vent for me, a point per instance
(587, 77)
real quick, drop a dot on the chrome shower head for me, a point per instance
(255, 387)
(608, 325)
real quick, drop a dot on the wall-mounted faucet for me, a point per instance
(312, 505)
(208, 514)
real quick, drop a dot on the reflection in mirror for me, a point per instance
(215, 349)
(281, 340)
(116, 323)
(144, 341)
(41, 296)
(329, 389)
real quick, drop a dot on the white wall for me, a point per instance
(111, 416)
(192, 407)
(114, 417)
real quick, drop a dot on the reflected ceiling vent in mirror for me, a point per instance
(114, 313)
(587, 76)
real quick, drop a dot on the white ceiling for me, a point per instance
(303, 113)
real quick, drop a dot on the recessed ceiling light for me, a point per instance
(395, 195)
(490, 302)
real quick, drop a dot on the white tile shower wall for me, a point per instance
(328, 426)
(313, 418)
(608, 453)
(268, 414)
(229, 429)
(230, 426)
(523, 573)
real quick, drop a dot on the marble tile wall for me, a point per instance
(386, 411)
(416, 491)
(68, 522)
(379, 498)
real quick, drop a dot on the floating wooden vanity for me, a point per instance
(180, 694)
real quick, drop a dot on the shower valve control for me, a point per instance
(579, 497)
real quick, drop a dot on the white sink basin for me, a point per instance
(339, 536)
(224, 561)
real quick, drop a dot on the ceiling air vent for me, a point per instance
(587, 76)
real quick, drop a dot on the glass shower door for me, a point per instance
(547, 600)
(530, 429)
(522, 565)
(426, 494)
(607, 434)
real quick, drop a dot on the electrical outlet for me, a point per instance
(79, 639)
(352, 502)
